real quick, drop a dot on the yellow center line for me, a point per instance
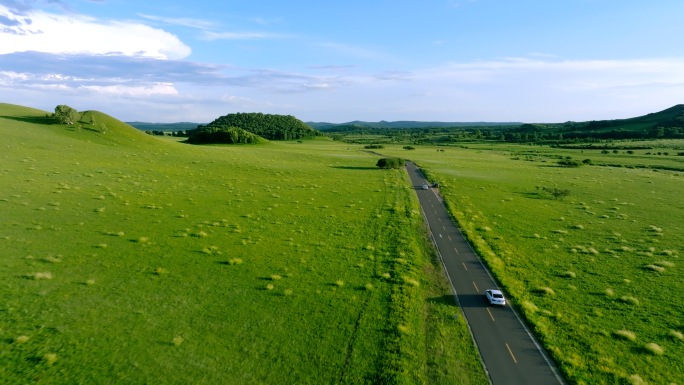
(475, 286)
(512, 356)
(490, 314)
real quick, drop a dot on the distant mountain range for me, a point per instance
(403, 124)
(668, 123)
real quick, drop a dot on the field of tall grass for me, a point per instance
(126, 258)
(598, 271)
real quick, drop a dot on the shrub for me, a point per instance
(569, 163)
(374, 146)
(390, 163)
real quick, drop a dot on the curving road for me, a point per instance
(510, 353)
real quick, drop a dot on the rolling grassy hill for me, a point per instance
(128, 258)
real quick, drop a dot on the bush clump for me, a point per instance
(390, 163)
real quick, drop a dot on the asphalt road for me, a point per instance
(510, 353)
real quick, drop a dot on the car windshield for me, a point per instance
(495, 295)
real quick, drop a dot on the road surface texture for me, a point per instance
(509, 352)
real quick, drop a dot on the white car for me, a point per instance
(425, 187)
(495, 297)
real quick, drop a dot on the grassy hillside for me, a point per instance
(127, 258)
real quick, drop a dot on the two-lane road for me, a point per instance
(510, 353)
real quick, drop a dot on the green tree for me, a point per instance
(65, 114)
(390, 163)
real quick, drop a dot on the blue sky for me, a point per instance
(338, 61)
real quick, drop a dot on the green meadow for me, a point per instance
(597, 271)
(127, 258)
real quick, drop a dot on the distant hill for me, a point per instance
(94, 126)
(402, 124)
(668, 123)
(267, 126)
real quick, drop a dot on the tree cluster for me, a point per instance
(271, 127)
(65, 114)
(222, 135)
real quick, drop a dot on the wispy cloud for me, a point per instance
(182, 21)
(211, 35)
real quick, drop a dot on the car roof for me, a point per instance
(494, 291)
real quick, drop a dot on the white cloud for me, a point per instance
(155, 89)
(36, 30)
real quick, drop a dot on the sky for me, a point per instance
(340, 61)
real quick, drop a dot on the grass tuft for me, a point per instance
(635, 379)
(270, 286)
(50, 358)
(654, 349)
(545, 290)
(368, 286)
(234, 261)
(677, 335)
(529, 307)
(625, 334)
(568, 274)
(177, 340)
(40, 275)
(275, 277)
(629, 300)
(657, 268)
(610, 292)
(21, 340)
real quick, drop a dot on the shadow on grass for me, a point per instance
(448, 300)
(356, 167)
(32, 119)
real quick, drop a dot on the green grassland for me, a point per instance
(127, 258)
(598, 273)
